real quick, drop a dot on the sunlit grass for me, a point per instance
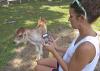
(28, 22)
(96, 25)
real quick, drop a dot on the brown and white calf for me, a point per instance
(33, 36)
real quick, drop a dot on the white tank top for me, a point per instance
(70, 51)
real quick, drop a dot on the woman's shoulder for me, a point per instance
(86, 50)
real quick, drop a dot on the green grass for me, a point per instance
(26, 15)
(96, 25)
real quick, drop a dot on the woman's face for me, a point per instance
(73, 18)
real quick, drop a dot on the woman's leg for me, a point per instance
(50, 62)
(42, 68)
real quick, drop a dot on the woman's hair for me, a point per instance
(91, 9)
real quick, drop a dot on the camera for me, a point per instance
(46, 37)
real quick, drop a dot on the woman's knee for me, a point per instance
(42, 68)
(37, 68)
(50, 62)
(42, 61)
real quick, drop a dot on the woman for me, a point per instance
(82, 55)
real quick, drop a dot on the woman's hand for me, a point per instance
(51, 45)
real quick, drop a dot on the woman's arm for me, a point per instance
(52, 47)
(83, 55)
(60, 60)
(60, 50)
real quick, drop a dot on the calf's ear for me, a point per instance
(21, 29)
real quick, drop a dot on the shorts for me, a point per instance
(53, 69)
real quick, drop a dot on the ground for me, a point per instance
(25, 58)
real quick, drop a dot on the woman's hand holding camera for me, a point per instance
(50, 45)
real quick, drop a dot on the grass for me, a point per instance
(26, 15)
(96, 25)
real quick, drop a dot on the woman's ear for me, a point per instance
(82, 18)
